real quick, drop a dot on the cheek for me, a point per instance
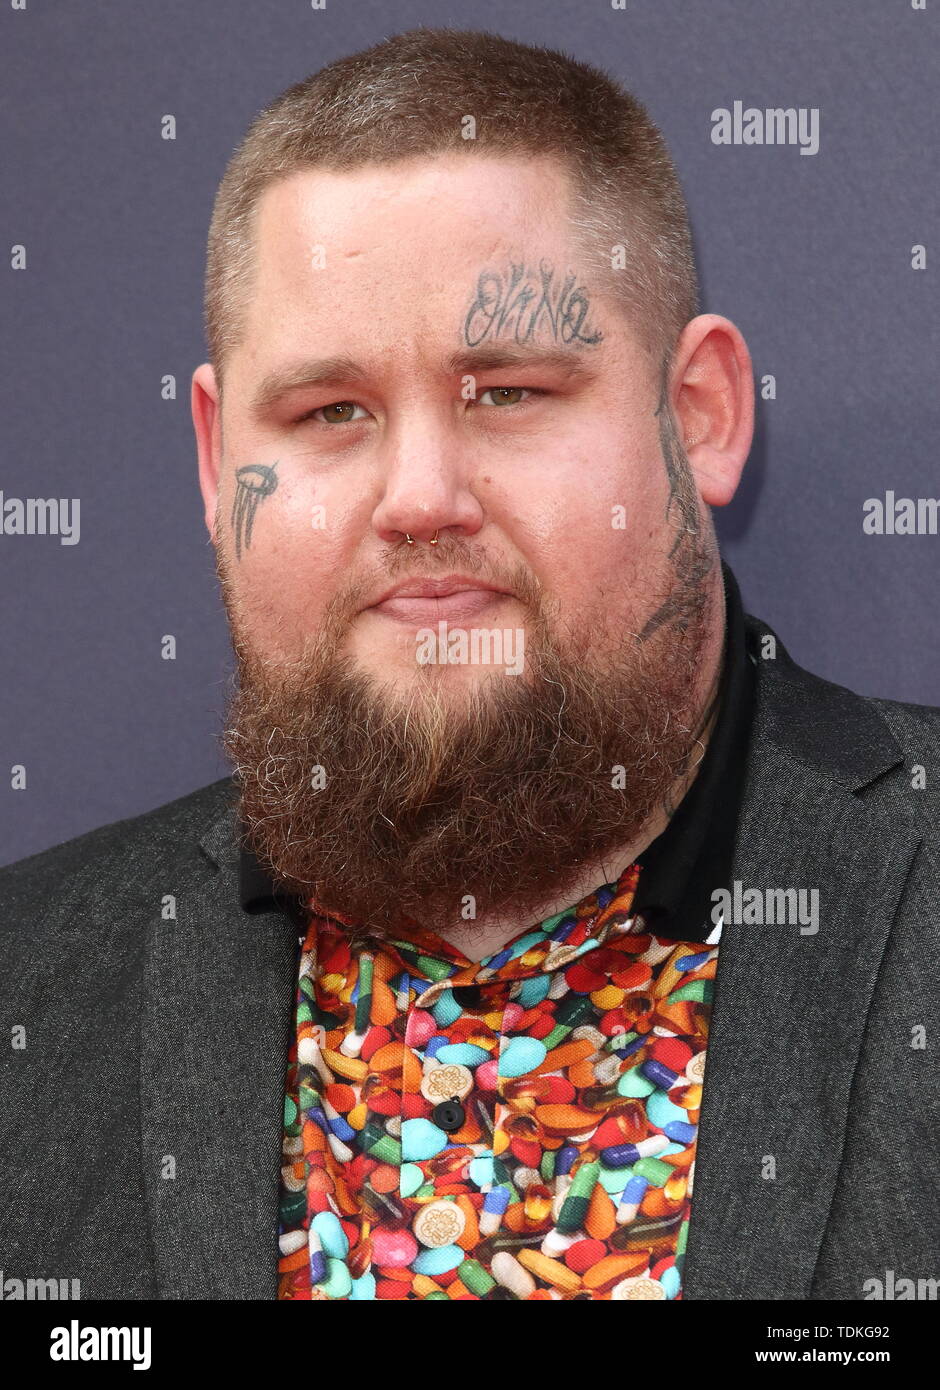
(591, 528)
(289, 569)
(295, 524)
(602, 492)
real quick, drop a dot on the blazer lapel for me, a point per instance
(215, 1033)
(790, 1008)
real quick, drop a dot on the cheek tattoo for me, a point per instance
(252, 483)
(518, 305)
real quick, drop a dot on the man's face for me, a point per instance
(455, 373)
(415, 267)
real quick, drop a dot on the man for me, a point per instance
(527, 818)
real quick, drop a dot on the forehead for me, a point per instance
(401, 244)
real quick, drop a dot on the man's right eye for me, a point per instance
(332, 418)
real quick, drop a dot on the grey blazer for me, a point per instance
(140, 1124)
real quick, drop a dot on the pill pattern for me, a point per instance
(523, 1127)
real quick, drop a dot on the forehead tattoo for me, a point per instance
(517, 304)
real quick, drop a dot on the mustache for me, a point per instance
(404, 562)
(400, 562)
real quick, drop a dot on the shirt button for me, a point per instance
(439, 1223)
(449, 1115)
(452, 1082)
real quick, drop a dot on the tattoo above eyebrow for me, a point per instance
(252, 483)
(517, 305)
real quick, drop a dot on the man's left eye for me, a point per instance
(507, 395)
(337, 413)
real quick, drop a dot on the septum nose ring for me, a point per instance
(411, 539)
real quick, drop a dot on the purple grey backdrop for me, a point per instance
(809, 254)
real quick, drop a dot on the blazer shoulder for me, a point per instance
(870, 744)
(831, 696)
(111, 855)
(916, 727)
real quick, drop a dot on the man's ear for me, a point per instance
(207, 422)
(712, 395)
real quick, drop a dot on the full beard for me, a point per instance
(437, 806)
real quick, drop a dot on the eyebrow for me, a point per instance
(319, 371)
(570, 362)
(323, 371)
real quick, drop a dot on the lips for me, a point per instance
(430, 600)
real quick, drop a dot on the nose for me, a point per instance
(426, 484)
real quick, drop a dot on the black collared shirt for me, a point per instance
(692, 857)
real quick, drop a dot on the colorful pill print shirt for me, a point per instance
(522, 1127)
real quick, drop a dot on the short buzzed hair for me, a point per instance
(408, 97)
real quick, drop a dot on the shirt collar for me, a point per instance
(598, 920)
(693, 855)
